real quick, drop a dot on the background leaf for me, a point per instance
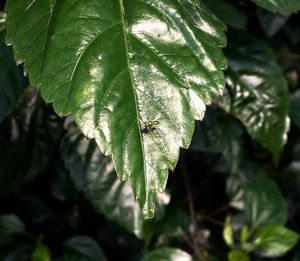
(264, 203)
(257, 91)
(12, 81)
(82, 248)
(97, 74)
(282, 6)
(275, 240)
(295, 108)
(228, 13)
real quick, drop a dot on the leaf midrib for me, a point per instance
(126, 41)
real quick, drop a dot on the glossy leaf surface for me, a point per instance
(285, 7)
(12, 81)
(264, 203)
(257, 91)
(274, 240)
(163, 254)
(134, 74)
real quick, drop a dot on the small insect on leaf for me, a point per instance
(150, 126)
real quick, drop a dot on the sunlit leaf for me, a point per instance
(237, 255)
(41, 253)
(134, 74)
(264, 203)
(275, 240)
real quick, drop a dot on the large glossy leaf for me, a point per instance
(275, 240)
(285, 7)
(257, 91)
(133, 73)
(12, 81)
(167, 254)
(264, 203)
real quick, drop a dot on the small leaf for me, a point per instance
(257, 92)
(228, 232)
(275, 240)
(134, 74)
(228, 13)
(41, 253)
(82, 248)
(238, 256)
(264, 203)
(12, 224)
(244, 234)
(295, 108)
(285, 7)
(163, 254)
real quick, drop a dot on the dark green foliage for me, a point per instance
(133, 75)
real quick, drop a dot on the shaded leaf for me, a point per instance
(264, 203)
(285, 7)
(12, 81)
(82, 248)
(134, 77)
(228, 13)
(257, 91)
(11, 227)
(275, 240)
(163, 254)
(27, 141)
(271, 22)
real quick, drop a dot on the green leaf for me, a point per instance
(163, 254)
(257, 91)
(244, 234)
(264, 203)
(228, 13)
(285, 7)
(295, 108)
(41, 253)
(82, 248)
(275, 240)
(237, 255)
(228, 232)
(12, 224)
(134, 74)
(11, 228)
(12, 81)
